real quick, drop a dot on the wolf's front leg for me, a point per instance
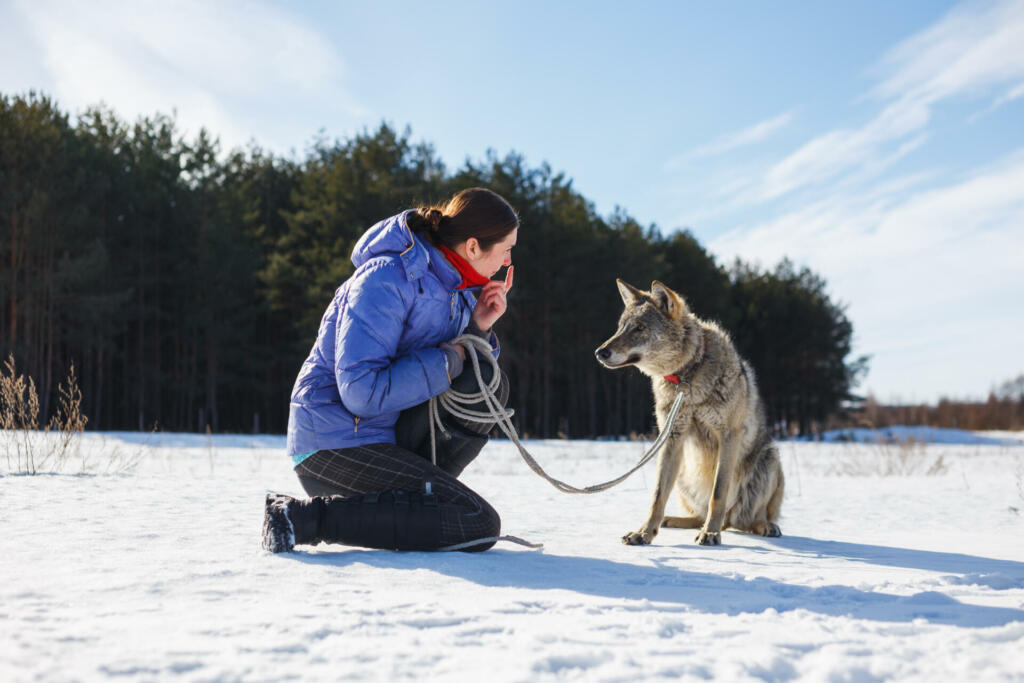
(669, 461)
(711, 533)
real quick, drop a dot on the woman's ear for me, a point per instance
(473, 249)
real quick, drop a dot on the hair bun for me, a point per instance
(434, 218)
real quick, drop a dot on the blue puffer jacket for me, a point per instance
(377, 351)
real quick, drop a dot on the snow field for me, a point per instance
(882, 573)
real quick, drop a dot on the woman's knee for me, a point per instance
(493, 520)
(490, 529)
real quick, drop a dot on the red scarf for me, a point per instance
(470, 278)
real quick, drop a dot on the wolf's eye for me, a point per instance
(639, 327)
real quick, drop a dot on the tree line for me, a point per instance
(1003, 409)
(186, 284)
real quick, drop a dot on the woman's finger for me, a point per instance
(497, 290)
(508, 277)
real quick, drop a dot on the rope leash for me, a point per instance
(455, 401)
(490, 539)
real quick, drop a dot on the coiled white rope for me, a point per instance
(454, 402)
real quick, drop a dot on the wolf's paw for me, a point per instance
(637, 538)
(767, 529)
(709, 537)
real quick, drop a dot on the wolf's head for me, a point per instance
(657, 332)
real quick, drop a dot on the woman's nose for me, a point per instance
(508, 260)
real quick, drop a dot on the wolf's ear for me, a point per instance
(629, 293)
(668, 301)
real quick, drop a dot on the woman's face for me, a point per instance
(489, 262)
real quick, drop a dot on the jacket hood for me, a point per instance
(393, 237)
(389, 236)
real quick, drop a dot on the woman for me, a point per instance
(358, 422)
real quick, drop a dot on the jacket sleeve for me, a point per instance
(491, 338)
(470, 302)
(372, 379)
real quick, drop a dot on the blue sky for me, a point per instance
(881, 144)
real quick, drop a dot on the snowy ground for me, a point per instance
(903, 434)
(898, 562)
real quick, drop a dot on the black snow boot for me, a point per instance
(289, 521)
(455, 450)
(395, 520)
(465, 439)
(466, 383)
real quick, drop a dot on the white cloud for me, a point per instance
(972, 49)
(929, 263)
(833, 153)
(976, 45)
(741, 138)
(1014, 93)
(928, 272)
(236, 68)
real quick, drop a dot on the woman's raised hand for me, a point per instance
(491, 303)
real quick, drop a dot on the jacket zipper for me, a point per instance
(355, 426)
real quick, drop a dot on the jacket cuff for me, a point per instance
(489, 336)
(475, 329)
(452, 362)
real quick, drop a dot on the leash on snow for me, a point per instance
(490, 539)
(455, 401)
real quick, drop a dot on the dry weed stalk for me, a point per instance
(890, 458)
(30, 448)
(19, 418)
(905, 458)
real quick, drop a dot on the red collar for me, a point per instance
(692, 369)
(470, 278)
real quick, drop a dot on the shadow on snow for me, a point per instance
(928, 560)
(714, 593)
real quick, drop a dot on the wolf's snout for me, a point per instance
(603, 353)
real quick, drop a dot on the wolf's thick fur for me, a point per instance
(719, 455)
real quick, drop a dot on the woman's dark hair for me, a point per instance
(476, 212)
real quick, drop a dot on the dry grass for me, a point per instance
(31, 447)
(886, 458)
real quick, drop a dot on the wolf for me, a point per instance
(719, 455)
